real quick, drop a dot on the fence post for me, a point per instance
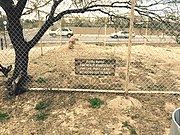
(40, 23)
(1, 44)
(60, 38)
(105, 30)
(131, 29)
(146, 31)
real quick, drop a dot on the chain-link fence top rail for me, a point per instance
(47, 38)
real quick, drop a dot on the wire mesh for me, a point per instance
(154, 63)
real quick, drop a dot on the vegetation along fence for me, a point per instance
(115, 46)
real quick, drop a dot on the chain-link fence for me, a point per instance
(100, 52)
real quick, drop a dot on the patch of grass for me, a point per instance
(3, 116)
(95, 102)
(43, 108)
(40, 80)
(41, 116)
(131, 129)
(41, 105)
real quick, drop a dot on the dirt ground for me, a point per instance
(69, 113)
(151, 68)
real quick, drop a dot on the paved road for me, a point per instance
(108, 39)
(102, 38)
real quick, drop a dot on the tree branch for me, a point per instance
(31, 9)
(53, 19)
(89, 9)
(7, 5)
(20, 7)
(53, 9)
(40, 33)
(46, 25)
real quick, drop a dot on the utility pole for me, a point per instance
(5, 29)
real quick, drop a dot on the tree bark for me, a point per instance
(16, 84)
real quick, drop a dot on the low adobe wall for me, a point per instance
(109, 30)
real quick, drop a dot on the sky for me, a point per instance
(68, 4)
(166, 7)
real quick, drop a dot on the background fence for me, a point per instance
(150, 63)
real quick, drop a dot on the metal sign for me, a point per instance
(95, 66)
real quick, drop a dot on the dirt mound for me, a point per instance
(123, 103)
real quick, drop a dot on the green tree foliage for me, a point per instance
(31, 23)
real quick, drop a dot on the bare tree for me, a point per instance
(15, 9)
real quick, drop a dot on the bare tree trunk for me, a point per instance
(16, 84)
